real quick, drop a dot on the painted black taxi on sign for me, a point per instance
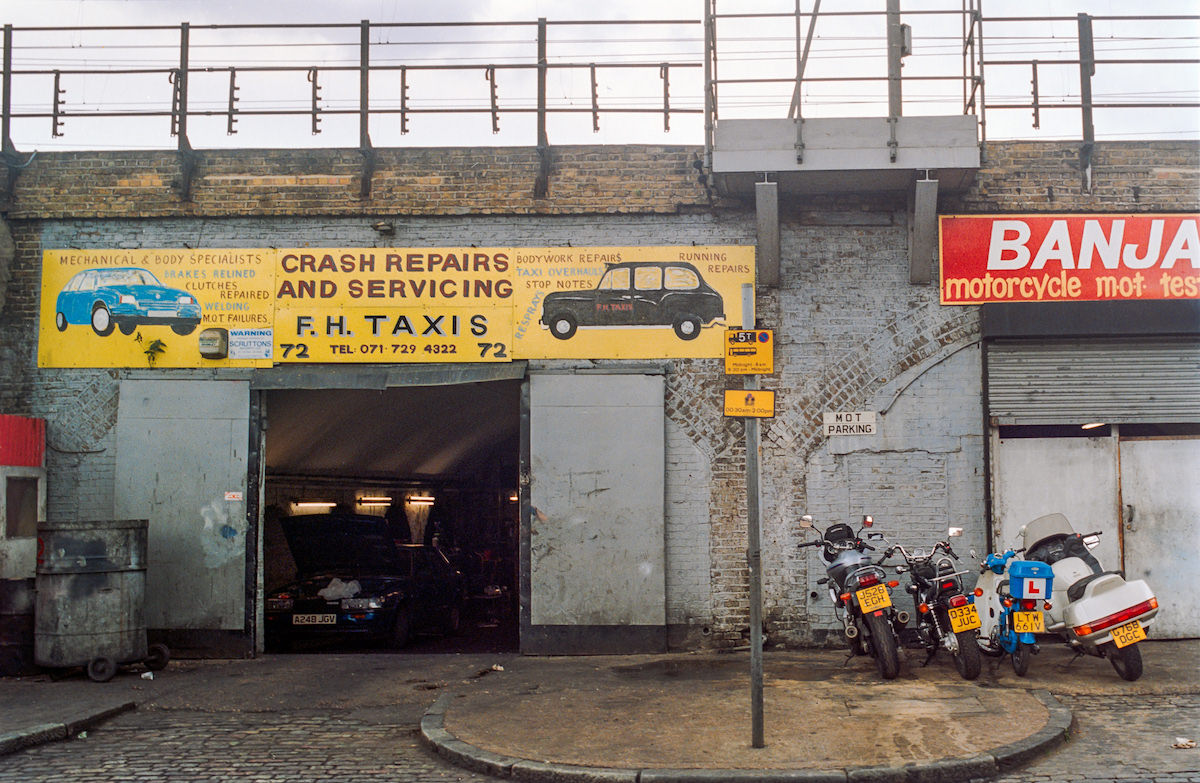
(637, 294)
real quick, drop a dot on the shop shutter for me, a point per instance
(1080, 381)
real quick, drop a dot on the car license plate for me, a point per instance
(964, 618)
(1127, 634)
(314, 619)
(161, 313)
(1029, 622)
(871, 599)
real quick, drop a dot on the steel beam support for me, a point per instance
(923, 232)
(766, 207)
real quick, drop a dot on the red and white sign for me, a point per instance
(1034, 588)
(1069, 258)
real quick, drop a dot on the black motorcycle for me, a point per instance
(861, 594)
(945, 617)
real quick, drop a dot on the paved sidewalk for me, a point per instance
(649, 718)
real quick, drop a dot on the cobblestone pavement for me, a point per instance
(1122, 739)
(253, 747)
(1117, 739)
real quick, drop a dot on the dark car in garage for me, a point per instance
(355, 582)
(637, 294)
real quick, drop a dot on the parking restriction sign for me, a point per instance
(749, 352)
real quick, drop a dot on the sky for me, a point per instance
(301, 58)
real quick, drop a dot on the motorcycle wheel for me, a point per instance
(967, 660)
(1126, 660)
(883, 644)
(1020, 658)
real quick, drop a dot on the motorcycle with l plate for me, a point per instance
(860, 593)
(1010, 612)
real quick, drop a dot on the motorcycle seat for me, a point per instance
(1075, 591)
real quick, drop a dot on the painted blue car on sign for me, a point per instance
(124, 297)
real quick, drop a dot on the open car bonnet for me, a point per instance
(330, 543)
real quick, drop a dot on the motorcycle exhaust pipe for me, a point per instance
(851, 632)
(902, 617)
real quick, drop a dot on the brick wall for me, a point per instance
(852, 332)
(421, 181)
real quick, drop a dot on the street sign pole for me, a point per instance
(754, 544)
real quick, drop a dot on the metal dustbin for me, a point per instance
(91, 587)
(16, 627)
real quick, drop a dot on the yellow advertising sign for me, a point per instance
(391, 305)
(259, 307)
(138, 308)
(628, 302)
(758, 403)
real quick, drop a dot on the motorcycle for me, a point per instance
(1010, 616)
(945, 617)
(1096, 612)
(861, 594)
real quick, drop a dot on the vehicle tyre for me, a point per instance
(401, 629)
(60, 321)
(126, 327)
(102, 322)
(1020, 658)
(967, 660)
(563, 326)
(687, 327)
(157, 657)
(883, 642)
(1126, 660)
(183, 329)
(101, 669)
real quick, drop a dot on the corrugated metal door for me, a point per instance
(1160, 482)
(597, 579)
(1074, 382)
(1071, 476)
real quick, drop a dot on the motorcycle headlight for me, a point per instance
(359, 604)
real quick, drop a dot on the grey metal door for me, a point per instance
(182, 464)
(596, 527)
(1160, 490)
(1071, 476)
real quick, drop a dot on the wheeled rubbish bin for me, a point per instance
(91, 587)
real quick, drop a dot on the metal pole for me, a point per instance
(6, 145)
(185, 143)
(1087, 69)
(754, 544)
(542, 139)
(895, 39)
(364, 84)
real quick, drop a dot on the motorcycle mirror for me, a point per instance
(867, 520)
(955, 532)
(806, 521)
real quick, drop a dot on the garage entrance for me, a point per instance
(411, 483)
